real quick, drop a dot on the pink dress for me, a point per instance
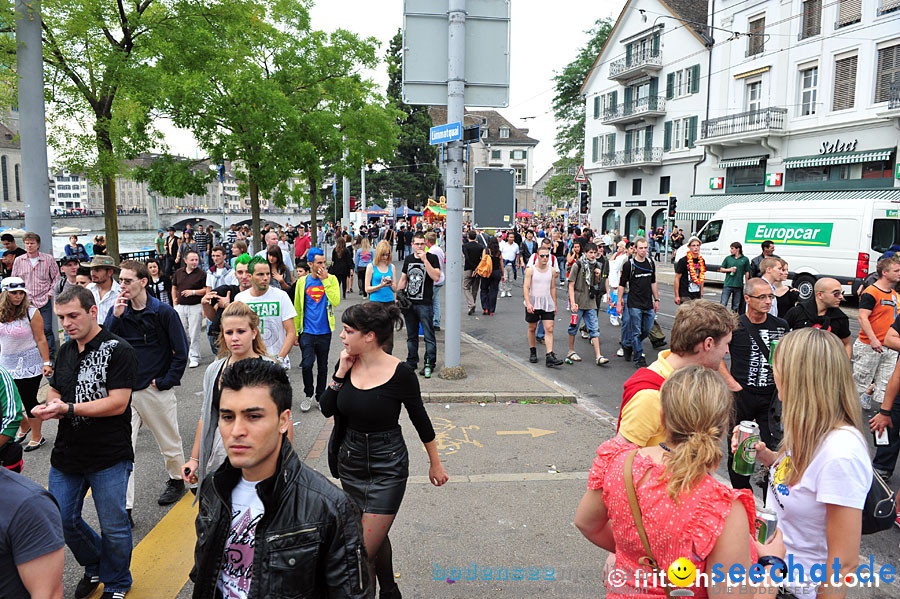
(687, 529)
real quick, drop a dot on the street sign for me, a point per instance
(580, 176)
(494, 198)
(426, 52)
(444, 133)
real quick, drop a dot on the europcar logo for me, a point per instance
(818, 234)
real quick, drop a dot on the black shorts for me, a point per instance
(538, 315)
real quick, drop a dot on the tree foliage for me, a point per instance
(568, 104)
(172, 176)
(257, 86)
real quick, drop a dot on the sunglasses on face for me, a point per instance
(15, 287)
(543, 255)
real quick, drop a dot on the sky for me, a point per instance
(545, 37)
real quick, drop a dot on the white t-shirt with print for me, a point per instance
(437, 251)
(273, 308)
(839, 474)
(237, 564)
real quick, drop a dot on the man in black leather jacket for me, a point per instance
(268, 525)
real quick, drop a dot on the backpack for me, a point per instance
(485, 267)
(644, 378)
(631, 271)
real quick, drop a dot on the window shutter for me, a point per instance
(611, 144)
(628, 108)
(524, 154)
(692, 131)
(595, 149)
(844, 83)
(654, 89)
(812, 18)
(655, 45)
(670, 86)
(888, 71)
(888, 6)
(667, 137)
(849, 12)
(628, 55)
(695, 78)
(628, 135)
(613, 99)
(596, 107)
(648, 138)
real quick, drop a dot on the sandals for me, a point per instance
(32, 445)
(574, 357)
(21, 436)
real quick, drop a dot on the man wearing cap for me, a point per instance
(40, 273)
(104, 287)
(68, 266)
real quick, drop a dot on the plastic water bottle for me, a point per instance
(866, 401)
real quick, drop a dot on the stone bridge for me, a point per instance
(143, 222)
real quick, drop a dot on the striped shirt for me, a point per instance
(39, 278)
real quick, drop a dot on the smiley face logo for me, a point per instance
(682, 572)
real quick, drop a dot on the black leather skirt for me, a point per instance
(374, 468)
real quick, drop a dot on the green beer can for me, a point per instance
(745, 456)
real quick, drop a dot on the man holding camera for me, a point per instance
(639, 281)
(587, 284)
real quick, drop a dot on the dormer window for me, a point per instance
(504, 132)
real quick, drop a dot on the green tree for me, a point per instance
(99, 55)
(568, 105)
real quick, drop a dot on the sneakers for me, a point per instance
(585, 334)
(174, 491)
(627, 354)
(640, 362)
(620, 352)
(112, 595)
(614, 321)
(574, 357)
(193, 364)
(471, 310)
(306, 404)
(600, 361)
(552, 360)
(532, 356)
(86, 586)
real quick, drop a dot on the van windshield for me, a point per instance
(885, 233)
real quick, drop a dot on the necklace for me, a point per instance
(696, 277)
(663, 445)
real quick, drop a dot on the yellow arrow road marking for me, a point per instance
(534, 432)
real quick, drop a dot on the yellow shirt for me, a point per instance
(640, 421)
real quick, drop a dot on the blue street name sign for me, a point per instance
(444, 133)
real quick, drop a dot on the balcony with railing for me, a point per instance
(645, 62)
(745, 127)
(632, 158)
(894, 97)
(636, 110)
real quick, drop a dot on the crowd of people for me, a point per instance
(131, 329)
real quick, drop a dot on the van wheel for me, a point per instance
(805, 284)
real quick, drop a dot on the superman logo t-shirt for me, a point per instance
(315, 308)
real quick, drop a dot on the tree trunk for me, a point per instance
(313, 210)
(110, 216)
(254, 214)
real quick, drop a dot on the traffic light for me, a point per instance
(584, 198)
(673, 203)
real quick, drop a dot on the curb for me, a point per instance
(499, 397)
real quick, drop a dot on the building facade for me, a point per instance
(11, 199)
(542, 203)
(806, 99)
(502, 145)
(645, 97)
(70, 191)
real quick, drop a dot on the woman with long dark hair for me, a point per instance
(24, 353)
(187, 244)
(341, 263)
(160, 285)
(281, 274)
(491, 285)
(366, 395)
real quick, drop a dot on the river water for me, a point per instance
(129, 241)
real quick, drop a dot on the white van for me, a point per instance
(842, 239)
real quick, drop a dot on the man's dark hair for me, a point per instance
(546, 241)
(374, 317)
(419, 235)
(31, 235)
(139, 268)
(217, 248)
(589, 246)
(471, 235)
(260, 373)
(76, 293)
(84, 271)
(767, 244)
(7, 237)
(189, 252)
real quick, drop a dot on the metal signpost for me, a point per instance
(474, 71)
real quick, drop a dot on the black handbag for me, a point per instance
(880, 509)
(403, 301)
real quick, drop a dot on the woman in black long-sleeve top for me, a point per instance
(366, 394)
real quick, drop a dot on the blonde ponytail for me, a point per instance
(696, 408)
